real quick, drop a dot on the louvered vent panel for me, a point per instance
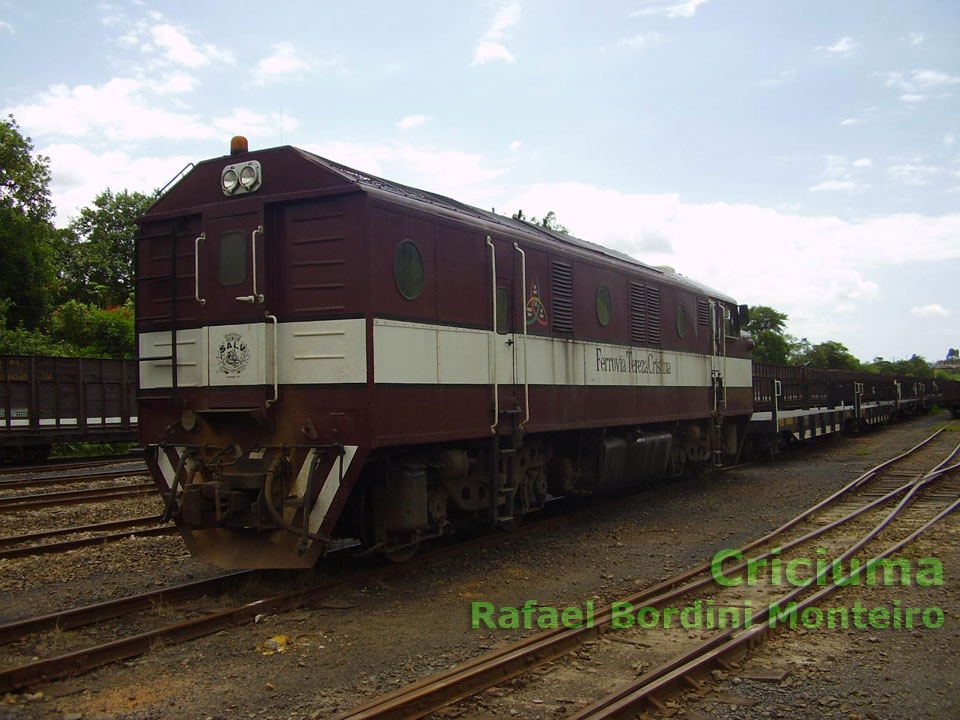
(653, 315)
(561, 295)
(703, 313)
(638, 313)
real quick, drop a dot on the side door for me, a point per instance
(506, 315)
(718, 356)
(240, 330)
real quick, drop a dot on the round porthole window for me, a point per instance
(681, 321)
(408, 269)
(604, 305)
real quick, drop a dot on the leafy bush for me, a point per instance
(73, 330)
(95, 332)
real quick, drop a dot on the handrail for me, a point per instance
(276, 341)
(493, 334)
(256, 297)
(196, 268)
(172, 180)
(523, 319)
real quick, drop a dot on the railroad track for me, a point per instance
(28, 544)
(861, 502)
(68, 479)
(86, 658)
(36, 673)
(16, 503)
(58, 465)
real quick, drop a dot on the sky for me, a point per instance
(801, 154)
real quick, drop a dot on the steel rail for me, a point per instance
(88, 658)
(66, 479)
(435, 692)
(110, 609)
(626, 702)
(65, 545)
(73, 497)
(96, 527)
(54, 466)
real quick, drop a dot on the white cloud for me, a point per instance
(465, 176)
(833, 262)
(841, 175)
(411, 121)
(119, 110)
(176, 47)
(491, 45)
(165, 44)
(487, 51)
(915, 38)
(284, 63)
(669, 8)
(782, 77)
(835, 185)
(176, 83)
(852, 121)
(948, 140)
(917, 84)
(844, 47)
(130, 111)
(914, 172)
(77, 175)
(247, 123)
(637, 42)
(515, 145)
(8, 27)
(933, 310)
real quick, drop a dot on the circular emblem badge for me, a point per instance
(233, 355)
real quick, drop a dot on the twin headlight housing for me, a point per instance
(241, 178)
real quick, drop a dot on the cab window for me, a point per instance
(503, 311)
(731, 322)
(233, 257)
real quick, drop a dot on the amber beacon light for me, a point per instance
(238, 145)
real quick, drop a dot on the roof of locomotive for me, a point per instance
(389, 186)
(371, 182)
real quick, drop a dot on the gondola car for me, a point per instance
(46, 401)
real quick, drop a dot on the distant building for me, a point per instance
(949, 365)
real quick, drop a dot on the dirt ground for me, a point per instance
(369, 641)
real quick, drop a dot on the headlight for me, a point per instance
(241, 178)
(248, 176)
(229, 180)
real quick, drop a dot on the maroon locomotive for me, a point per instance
(325, 354)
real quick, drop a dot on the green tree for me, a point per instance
(549, 221)
(879, 365)
(829, 354)
(18, 341)
(916, 366)
(97, 257)
(766, 328)
(89, 331)
(26, 228)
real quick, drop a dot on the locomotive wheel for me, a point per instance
(400, 554)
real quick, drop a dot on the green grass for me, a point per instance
(80, 450)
